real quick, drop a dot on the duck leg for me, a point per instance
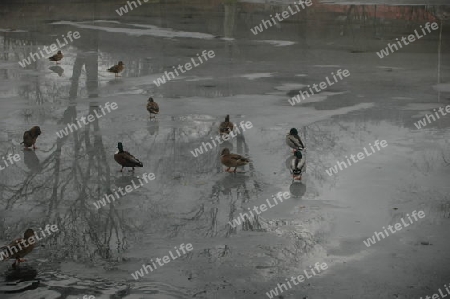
(228, 169)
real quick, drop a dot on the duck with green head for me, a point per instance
(294, 141)
(125, 159)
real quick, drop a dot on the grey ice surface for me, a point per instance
(251, 78)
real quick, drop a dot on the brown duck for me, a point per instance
(125, 159)
(19, 248)
(226, 126)
(232, 160)
(57, 57)
(152, 107)
(30, 137)
(117, 68)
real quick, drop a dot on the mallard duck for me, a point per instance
(57, 57)
(297, 165)
(152, 107)
(117, 68)
(126, 159)
(232, 160)
(22, 247)
(30, 137)
(293, 140)
(226, 126)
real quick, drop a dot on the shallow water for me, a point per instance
(251, 78)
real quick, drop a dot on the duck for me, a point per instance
(226, 126)
(30, 137)
(117, 68)
(57, 57)
(125, 159)
(152, 107)
(232, 160)
(297, 165)
(22, 247)
(294, 141)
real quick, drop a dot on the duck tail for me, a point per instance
(137, 163)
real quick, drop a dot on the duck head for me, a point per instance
(120, 147)
(36, 131)
(225, 151)
(28, 233)
(293, 131)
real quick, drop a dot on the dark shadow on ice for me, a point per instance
(57, 70)
(18, 286)
(20, 273)
(31, 161)
(125, 180)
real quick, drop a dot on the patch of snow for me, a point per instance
(254, 76)
(278, 43)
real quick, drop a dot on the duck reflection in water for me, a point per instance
(153, 126)
(32, 161)
(297, 189)
(296, 165)
(57, 69)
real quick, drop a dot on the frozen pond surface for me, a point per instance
(251, 77)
